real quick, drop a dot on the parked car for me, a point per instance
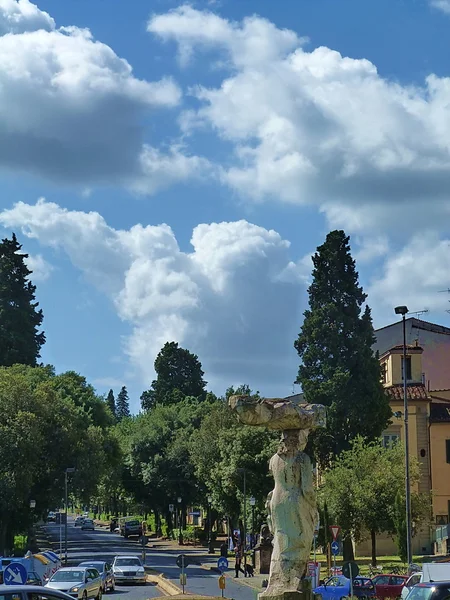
(128, 568)
(338, 587)
(132, 527)
(432, 590)
(25, 592)
(106, 573)
(431, 572)
(88, 524)
(79, 521)
(33, 578)
(79, 582)
(389, 585)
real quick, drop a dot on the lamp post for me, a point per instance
(403, 310)
(180, 522)
(244, 541)
(252, 504)
(68, 470)
(210, 543)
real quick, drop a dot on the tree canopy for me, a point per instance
(178, 374)
(122, 404)
(339, 368)
(20, 318)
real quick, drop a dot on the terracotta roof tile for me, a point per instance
(415, 392)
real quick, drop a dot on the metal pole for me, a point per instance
(407, 480)
(65, 524)
(245, 521)
(253, 528)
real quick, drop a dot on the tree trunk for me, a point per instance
(347, 549)
(373, 536)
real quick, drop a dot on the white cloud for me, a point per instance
(415, 276)
(41, 269)
(318, 127)
(235, 299)
(71, 110)
(443, 5)
(21, 16)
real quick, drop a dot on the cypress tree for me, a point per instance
(111, 402)
(339, 368)
(122, 404)
(20, 318)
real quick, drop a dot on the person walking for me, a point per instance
(238, 559)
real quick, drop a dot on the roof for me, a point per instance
(416, 391)
(419, 324)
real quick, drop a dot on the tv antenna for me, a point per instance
(419, 312)
(447, 291)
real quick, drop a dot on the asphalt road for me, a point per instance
(103, 545)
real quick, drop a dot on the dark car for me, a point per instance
(105, 571)
(132, 527)
(433, 590)
(389, 585)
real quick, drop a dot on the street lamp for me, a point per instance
(403, 310)
(244, 541)
(210, 542)
(252, 504)
(180, 533)
(68, 470)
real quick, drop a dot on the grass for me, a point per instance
(364, 562)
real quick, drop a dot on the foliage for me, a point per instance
(362, 488)
(339, 368)
(122, 404)
(111, 403)
(400, 527)
(179, 374)
(20, 318)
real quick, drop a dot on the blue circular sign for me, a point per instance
(15, 574)
(222, 563)
(335, 548)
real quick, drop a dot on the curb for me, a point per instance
(167, 586)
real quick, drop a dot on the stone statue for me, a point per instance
(291, 505)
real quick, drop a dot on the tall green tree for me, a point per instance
(339, 368)
(122, 404)
(179, 374)
(111, 402)
(20, 318)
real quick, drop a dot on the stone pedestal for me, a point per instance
(263, 555)
(305, 593)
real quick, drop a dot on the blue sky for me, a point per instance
(171, 167)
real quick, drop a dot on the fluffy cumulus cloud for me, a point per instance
(40, 268)
(316, 126)
(71, 110)
(235, 299)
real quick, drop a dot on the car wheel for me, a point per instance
(100, 594)
(112, 586)
(85, 595)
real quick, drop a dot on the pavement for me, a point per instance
(161, 555)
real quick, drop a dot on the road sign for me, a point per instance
(335, 529)
(15, 574)
(222, 564)
(222, 582)
(334, 548)
(180, 563)
(350, 570)
(171, 508)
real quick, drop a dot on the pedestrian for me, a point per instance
(238, 558)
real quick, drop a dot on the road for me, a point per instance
(103, 545)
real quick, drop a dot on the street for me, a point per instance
(103, 545)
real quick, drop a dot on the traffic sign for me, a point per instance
(182, 561)
(334, 548)
(222, 582)
(350, 570)
(222, 564)
(171, 508)
(15, 574)
(335, 529)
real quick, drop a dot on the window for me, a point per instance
(390, 439)
(447, 450)
(384, 373)
(408, 368)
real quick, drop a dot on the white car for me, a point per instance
(79, 582)
(128, 568)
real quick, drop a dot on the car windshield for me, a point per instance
(94, 565)
(68, 576)
(128, 562)
(421, 593)
(132, 523)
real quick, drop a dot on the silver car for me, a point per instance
(25, 592)
(88, 524)
(129, 568)
(105, 571)
(79, 582)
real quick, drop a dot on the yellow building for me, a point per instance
(429, 441)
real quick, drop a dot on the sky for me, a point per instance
(170, 168)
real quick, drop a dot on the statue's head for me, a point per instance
(293, 440)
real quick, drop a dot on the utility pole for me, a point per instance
(68, 470)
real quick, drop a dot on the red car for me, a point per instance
(389, 586)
